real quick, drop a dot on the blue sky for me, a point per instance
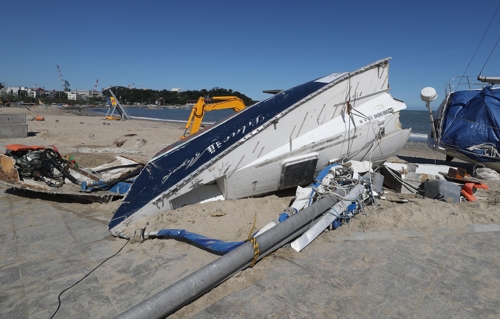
(247, 46)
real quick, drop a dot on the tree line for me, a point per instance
(131, 96)
(164, 97)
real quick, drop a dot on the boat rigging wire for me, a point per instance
(477, 48)
(489, 56)
(346, 110)
(360, 113)
(105, 260)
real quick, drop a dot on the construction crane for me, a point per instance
(65, 84)
(95, 86)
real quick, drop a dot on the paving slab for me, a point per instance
(390, 292)
(402, 273)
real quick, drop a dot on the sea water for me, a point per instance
(168, 114)
(416, 119)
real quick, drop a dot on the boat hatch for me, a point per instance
(298, 170)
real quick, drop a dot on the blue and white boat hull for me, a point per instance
(275, 144)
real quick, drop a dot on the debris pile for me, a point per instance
(438, 182)
(41, 169)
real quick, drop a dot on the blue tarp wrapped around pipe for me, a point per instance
(215, 246)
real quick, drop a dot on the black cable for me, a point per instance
(489, 56)
(105, 260)
(53, 157)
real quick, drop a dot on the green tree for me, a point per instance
(172, 98)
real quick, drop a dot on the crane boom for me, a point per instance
(199, 109)
(65, 84)
(95, 86)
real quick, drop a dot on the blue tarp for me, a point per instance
(215, 246)
(472, 118)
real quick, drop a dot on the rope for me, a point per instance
(253, 226)
(253, 240)
(370, 144)
(256, 250)
(485, 173)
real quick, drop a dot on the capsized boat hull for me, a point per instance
(275, 144)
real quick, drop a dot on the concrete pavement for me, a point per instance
(46, 247)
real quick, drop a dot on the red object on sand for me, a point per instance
(22, 147)
(468, 190)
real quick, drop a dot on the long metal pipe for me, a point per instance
(196, 284)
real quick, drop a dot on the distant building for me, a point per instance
(73, 96)
(16, 90)
(85, 94)
(38, 92)
(178, 90)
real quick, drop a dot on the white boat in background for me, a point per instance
(467, 123)
(276, 144)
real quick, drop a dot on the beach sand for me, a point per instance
(92, 140)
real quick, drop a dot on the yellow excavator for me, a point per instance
(209, 104)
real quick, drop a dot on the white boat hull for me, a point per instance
(352, 117)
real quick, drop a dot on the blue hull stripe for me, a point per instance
(171, 165)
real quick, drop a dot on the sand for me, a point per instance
(92, 140)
